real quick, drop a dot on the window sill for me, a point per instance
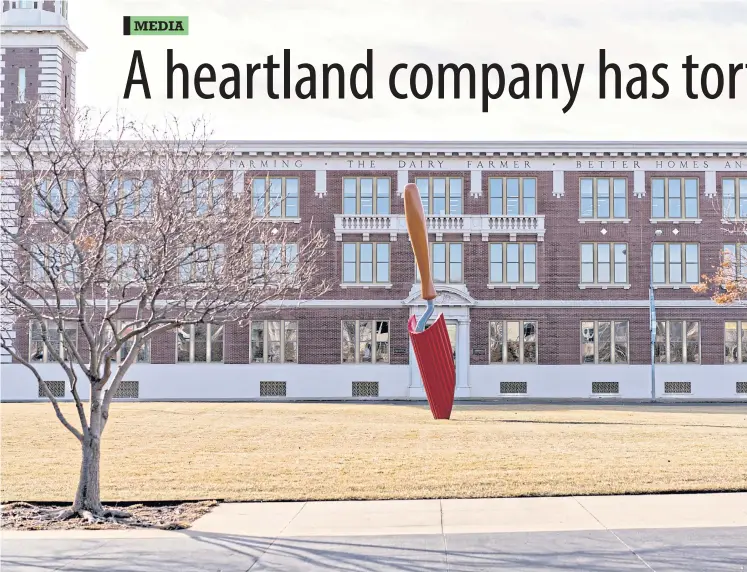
(604, 286)
(604, 220)
(280, 219)
(510, 364)
(366, 286)
(675, 220)
(673, 286)
(513, 286)
(733, 220)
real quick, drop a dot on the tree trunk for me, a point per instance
(88, 496)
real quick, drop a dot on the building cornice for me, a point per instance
(64, 31)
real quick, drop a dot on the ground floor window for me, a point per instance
(57, 341)
(365, 341)
(677, 341)
(604, 341)
(200, 343)
(275, 341)
(735, 342)
(513, 341)
(143, 353)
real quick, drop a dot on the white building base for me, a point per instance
(334, 382)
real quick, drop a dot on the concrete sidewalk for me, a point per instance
(652, 532)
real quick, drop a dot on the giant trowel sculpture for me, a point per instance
(432, 346)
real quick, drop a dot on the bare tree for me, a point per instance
(727, 284)
(111, 236)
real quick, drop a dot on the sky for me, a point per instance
(431, 32)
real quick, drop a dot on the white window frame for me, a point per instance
(498, 188)
(613, 341)
(51, 326)
(206, 194)
(736, 264)
(126, 192)
(682, 198)
(377, 198)
(667, 341)
(734, 193)
(505, 248)
(213, 257)
(270, 201)
(669, 265)
(285, 325)
(48, 252)
(504, 342)
(55, 195)
(21, 95)
(209, 328)
(596, 263)
(377, 250)
(427, 191)
(357, 342)
(267, 257)
(434, 246)
(614, 185)
(740, 349)
(143, 354)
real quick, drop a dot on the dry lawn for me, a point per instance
(276, 451)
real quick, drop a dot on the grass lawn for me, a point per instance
(276, 451)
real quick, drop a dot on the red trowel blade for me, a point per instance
(436, 363)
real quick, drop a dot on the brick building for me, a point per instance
(542, 254)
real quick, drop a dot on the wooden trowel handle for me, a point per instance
(416, 228)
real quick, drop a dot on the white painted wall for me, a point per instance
(241, 381)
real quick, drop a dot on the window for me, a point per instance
(204, 194)
(674, 198)
(143, 354)
(604, 263)
(276, 197)
(603, 198)
(441, 195)
(200, 263)
(512, 196)
(39, 352)
(121, 261)
(53, 263)
(513, 263)
(365, 341)
(64, 101)
(52, 199)
(735, 198)
(735, 258)
(275, 341)
(201, 343)
(446, 263)
(604, 341)
(21, 85)
(677, 341)
(366, 195)
(735, 342)
(513, 342)
(273, 261)
(676, 263)
(26, 4)
(365, 263)
(130, 198)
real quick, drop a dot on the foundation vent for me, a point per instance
(742, 387)
(513, 387)
(608, 387)
(365, 389)
(128, 390)
(677, 387)
(272, 388)
(56, 388)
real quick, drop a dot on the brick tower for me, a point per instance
(37, 58)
